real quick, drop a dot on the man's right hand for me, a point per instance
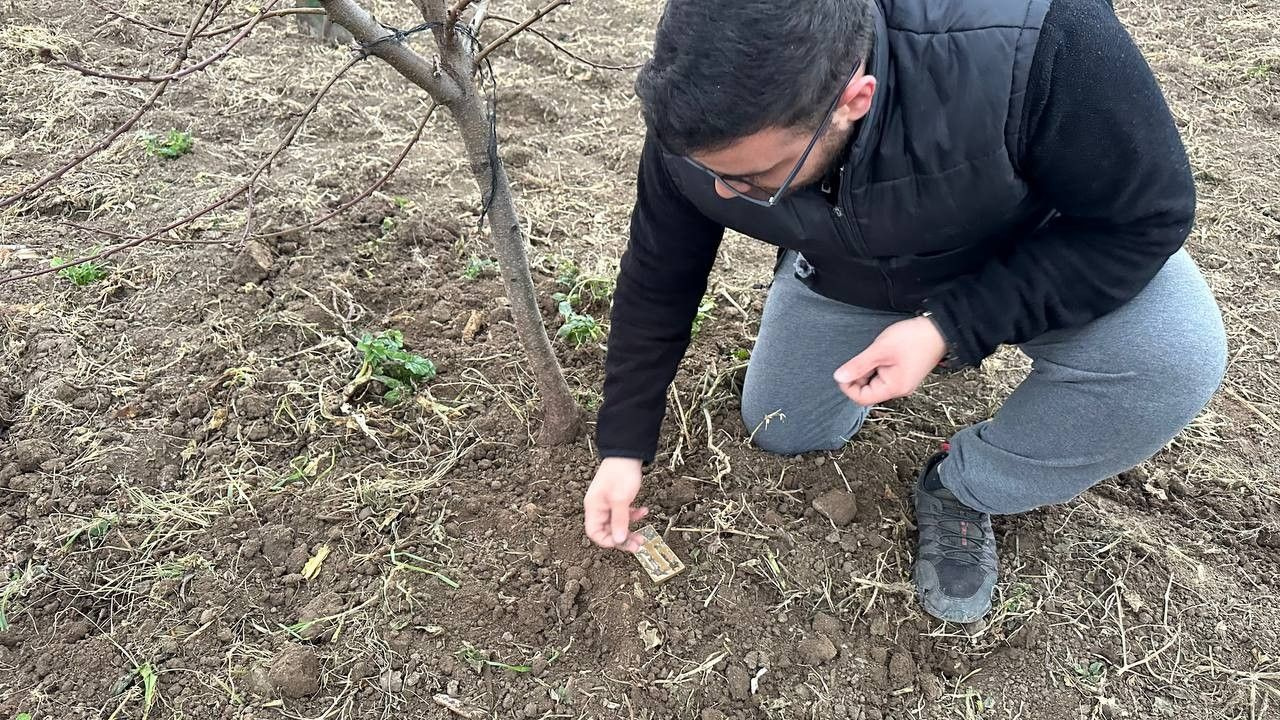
(607, 505)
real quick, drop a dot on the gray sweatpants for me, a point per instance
(1100, 398)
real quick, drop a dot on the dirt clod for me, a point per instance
(739, 682)
(902, 669)
(816, 650)
(295, 671)
(838, 506)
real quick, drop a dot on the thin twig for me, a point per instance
(395, 165)
(506, 37)
(565, 50)
(283, 12)
(178, 74)
(124, 127)
(124, 236)
(228, 197)
(456, 10)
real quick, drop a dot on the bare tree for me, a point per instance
(451, 78)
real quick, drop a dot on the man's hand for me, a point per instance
(608, 504)
(895, 364)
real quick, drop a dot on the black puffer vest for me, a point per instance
(930, 189)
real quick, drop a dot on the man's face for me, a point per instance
(757, 165)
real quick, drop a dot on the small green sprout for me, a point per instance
(705, 308)
(85, 273)
(567, 274)
(91, 532)
(386, 361)
(478, 267)
(1092, 672)
(170, 146)
(578, 329)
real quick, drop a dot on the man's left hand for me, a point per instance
(895, 364)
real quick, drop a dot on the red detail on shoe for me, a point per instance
(946, 447)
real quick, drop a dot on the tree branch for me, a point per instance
(443, 88)
(244, 187)
(395, 165)
(567, 51)
(538, 15)
(282, 12)
(124, 127)
(175, 75)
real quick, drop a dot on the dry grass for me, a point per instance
(1156, 593)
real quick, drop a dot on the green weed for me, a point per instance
(705, 310)
(1091, 672)
(578, 329)
(478, 267)
(85, 273)
(170, 146)
(1262, 70)
(91, 532)
(386, 361)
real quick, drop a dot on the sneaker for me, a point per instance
(955, 571)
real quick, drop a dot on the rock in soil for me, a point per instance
(902, 669)
(827, 625)
(324, 605)
(839, 506)
(816, 650)
(739, 682)
(295, 671)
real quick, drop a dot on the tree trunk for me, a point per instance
(561, 418)
(451, 82)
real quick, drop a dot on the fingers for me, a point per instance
(597, 525)
(877, 390)
(859, 368)
(621, 523)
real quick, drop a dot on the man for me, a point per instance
(942, 177)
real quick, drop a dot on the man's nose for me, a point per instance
(724, 191)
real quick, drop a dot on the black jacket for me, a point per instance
(1009, 209)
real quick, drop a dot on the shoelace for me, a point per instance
(961, 537)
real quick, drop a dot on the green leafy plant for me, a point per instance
(386, 361)
(388, 227)
(23, 716)
(705, 308)
(582, 290)
(578, 329)
(85, 273)
(1092, 671)
(170, 146)
(478, 267)
(741, 354)
(91, 532)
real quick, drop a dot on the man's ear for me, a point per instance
(855, 102)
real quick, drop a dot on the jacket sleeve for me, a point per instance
(662, 278)
(1100, 146)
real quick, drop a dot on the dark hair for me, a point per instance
(725, 69)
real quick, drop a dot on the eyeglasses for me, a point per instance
(768, 198)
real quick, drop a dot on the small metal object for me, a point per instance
(656, 557)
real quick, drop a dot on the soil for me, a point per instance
(186, 505)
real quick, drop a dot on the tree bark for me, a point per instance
(561, 417)
(451, 82)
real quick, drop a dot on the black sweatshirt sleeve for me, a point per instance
(662, 278)
(1099, 144)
